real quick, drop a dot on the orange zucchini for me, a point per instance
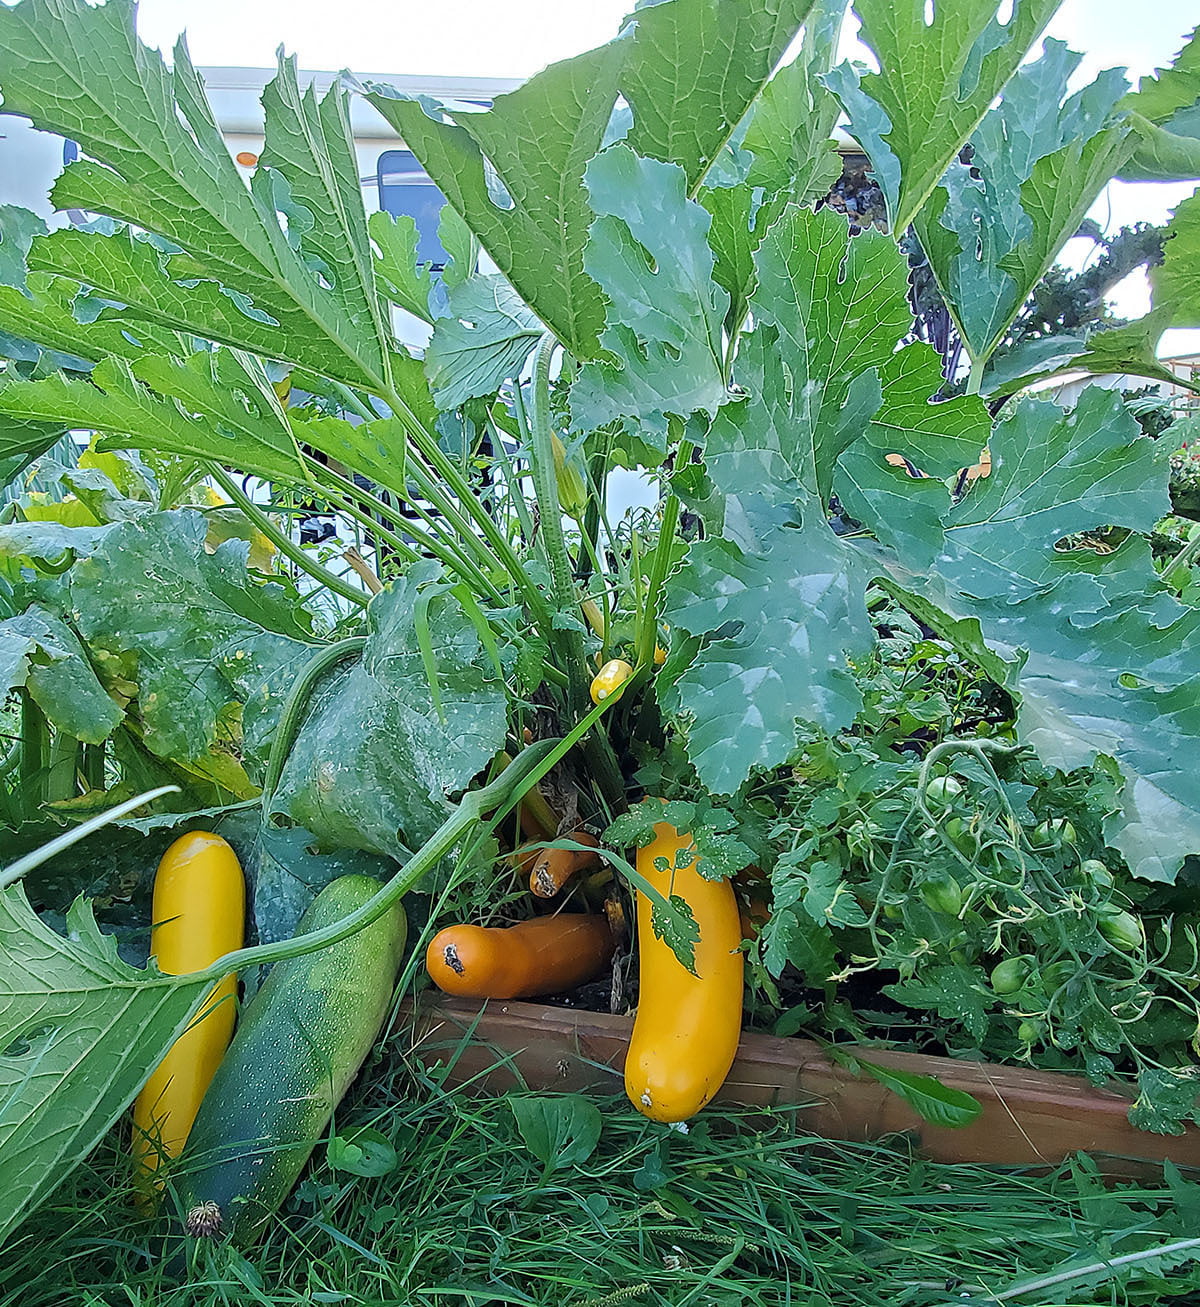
(553, 868)
(545, 955)
(199, 912)
(686, 1032)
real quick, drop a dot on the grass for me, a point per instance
(741, 1210)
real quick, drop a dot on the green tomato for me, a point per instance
(960, 834)
(893, 911)
(1121, 929)
(1097, 872)
(1057, 974)
(942, 789)
(1054, 833)
(1011, 974)
(1029, 1032)
(944, 894)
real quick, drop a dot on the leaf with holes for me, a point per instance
(515, 173)
(157, 159)
(992, 229)
(484, 339)
(941, 65)
(405, 281)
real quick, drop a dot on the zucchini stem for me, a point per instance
(284, 543)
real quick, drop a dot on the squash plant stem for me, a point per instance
(659, 565)
(545, 484)
(596, 747)
(284, 543)
(461, 488)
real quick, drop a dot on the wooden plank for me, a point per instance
(1029, 1117)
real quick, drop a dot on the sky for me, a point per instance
(514, 38)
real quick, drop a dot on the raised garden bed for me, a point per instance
(1029, 1118)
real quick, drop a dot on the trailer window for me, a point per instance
(405, 187)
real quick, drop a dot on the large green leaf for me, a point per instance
(1040, 158)
(939, 438)
(689, 69)
(485, 338)
(790, 129)
(40, 651)
(216, 405)
(311, 145)
(784, 608)
(285, 868)
(1165, 111)
(838, 309)
(535, 143)
(695, 68)
(940, 67)
(206, 639)
(381, 747)
(79, 1033)
(1115, 351)
(157, 159)
(829, 312)
(1099, 653)
(45, 313)
(1176, 283)
(648, 249)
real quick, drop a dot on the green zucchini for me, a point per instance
(299, 1044)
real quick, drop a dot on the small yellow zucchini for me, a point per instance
(199, 916)
(609, 679)
(686, 1032)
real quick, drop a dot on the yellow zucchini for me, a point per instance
(686, 1032)
(199, 916)
(609, 679)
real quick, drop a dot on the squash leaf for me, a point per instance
(992, 229)
(203, 634)
(40, 651)
(1176, 283)
(233, 269)
(374, 759)
(935, 82)
(80, 1031)
(649, 252)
